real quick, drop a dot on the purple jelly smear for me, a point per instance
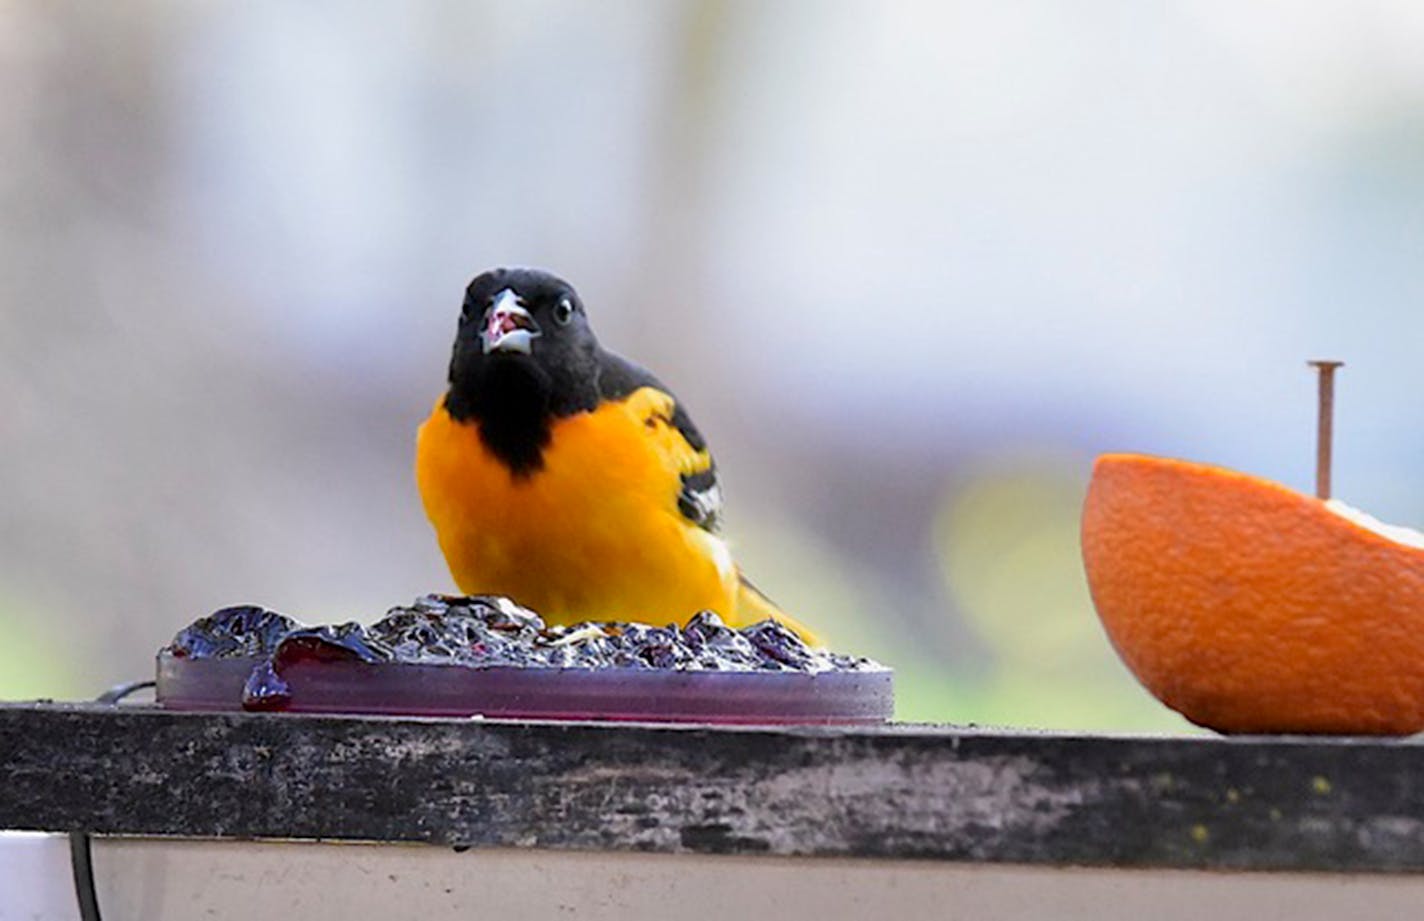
(241, 631)
(486, 632)
(265, 688)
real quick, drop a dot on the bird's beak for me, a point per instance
(508, 326)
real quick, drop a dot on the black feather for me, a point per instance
(511, 407)
(700, 499)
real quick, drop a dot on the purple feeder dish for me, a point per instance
(486, 656)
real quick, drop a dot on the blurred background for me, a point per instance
(912, 266)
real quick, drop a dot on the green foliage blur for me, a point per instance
(33, 660)
(1005, 540)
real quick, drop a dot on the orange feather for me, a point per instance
(594, 534)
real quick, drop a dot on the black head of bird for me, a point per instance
(524, 352)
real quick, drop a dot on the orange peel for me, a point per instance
(1250, 607)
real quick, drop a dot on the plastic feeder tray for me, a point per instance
(533, 692)
(486, 656)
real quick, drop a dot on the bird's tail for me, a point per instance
(754, 607)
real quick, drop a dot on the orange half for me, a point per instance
(1250, 607)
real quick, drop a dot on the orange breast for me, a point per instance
(594, 535)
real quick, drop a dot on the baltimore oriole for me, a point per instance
(568, 478)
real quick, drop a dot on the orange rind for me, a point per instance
(1250, 607)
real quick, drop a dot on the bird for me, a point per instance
(568, 478)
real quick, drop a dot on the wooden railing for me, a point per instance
(923, 792)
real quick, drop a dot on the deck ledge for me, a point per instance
(928, 792)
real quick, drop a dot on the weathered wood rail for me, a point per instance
(1298, 804)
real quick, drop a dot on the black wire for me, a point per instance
(81, 857)
(119, 691)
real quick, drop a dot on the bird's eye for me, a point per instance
(563, 311)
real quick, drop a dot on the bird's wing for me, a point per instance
(699, 496)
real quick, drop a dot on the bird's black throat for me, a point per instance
(514, 401)
(510, 401)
